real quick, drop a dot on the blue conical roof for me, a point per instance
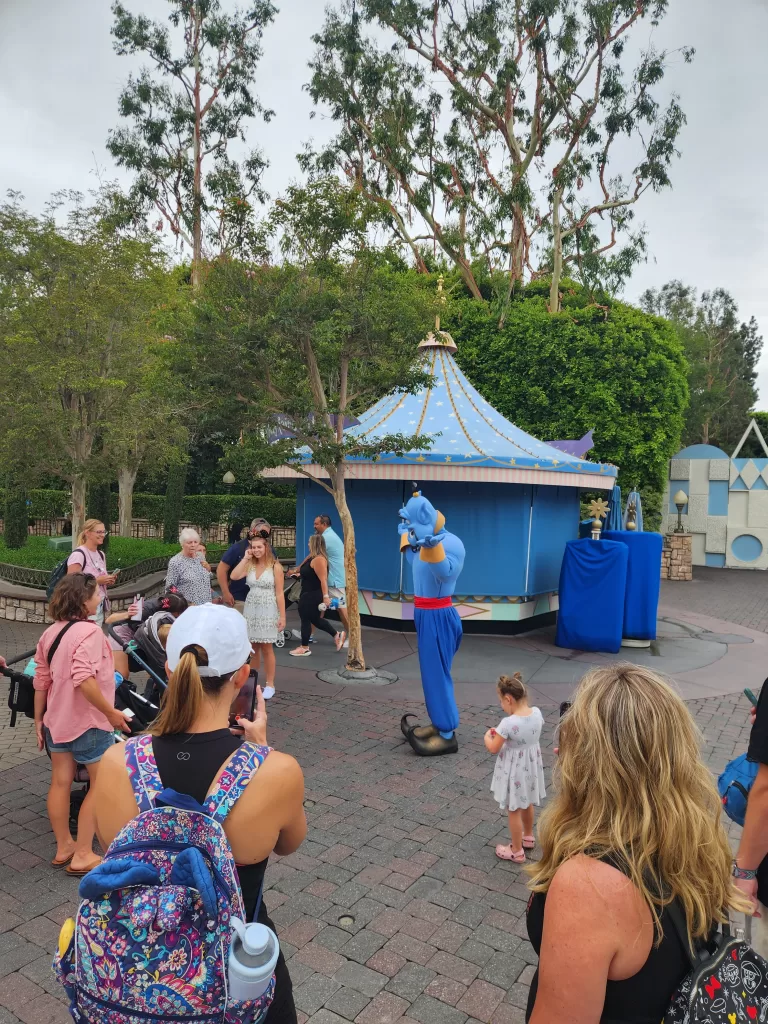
(467, 430)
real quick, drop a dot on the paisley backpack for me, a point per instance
(728, 982)
(152, 935)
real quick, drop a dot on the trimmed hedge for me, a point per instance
(202, 509)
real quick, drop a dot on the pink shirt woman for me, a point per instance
(75, 714)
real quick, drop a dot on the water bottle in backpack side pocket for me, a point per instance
(253, 955)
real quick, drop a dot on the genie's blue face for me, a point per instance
(421, 517)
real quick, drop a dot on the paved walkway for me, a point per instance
(395, 908)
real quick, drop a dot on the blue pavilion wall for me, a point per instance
(514, 534)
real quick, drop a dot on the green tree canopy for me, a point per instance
(722, 354)
(613, 369)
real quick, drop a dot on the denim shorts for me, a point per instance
(86, 749)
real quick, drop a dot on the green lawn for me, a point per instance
(122, 552)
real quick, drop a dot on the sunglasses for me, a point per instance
(263, 534)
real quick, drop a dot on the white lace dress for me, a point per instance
(260, 611)
(518, 778)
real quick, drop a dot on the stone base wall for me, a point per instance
(33, 608)
(677, 557)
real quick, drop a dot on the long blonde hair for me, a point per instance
(317, 546)
(269, 555)
(630, 785)
(88, 525)
(183, 698)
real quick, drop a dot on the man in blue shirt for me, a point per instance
(234, 592)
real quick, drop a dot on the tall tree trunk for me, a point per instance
(355, 657)
(557, 254)
(78, 507)
(16, 517)
(174, 500)
(197, 186)
(126, 480)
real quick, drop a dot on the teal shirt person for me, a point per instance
(334, 545)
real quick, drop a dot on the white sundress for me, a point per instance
(518, 778)
(260, 610)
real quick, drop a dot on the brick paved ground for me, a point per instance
(735, 595)
(395, 909)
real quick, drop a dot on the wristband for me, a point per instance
(745, 874)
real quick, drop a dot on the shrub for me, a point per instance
(16, 516)
(123, 552)
(174, 499)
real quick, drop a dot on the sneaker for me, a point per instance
(300, 652)
(345, 645)
(297, 635)
(268, 692)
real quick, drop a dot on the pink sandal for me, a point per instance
(529, 842)
(341, 636)
(507, 853)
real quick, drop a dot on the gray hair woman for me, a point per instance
(186, 571)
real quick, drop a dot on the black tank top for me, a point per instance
(310, 581)
(642, 999)
(193, 775)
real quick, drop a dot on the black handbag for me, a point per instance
(21, 695)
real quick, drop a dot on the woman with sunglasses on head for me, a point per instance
(88, 558)
(191, 745)
(264, 608)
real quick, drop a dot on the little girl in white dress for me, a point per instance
(518, 778)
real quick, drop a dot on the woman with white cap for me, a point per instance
(208, 654)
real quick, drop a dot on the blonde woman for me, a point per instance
(264, 608)
(314, 591)
(634, 825)
(187, 572)
(89, 559)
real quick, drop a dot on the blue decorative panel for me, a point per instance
(716, 561)
(759, 484)
(739, 485)
(674, 487)
(718, 498)
(746, 548)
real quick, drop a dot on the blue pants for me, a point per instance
(439, 634)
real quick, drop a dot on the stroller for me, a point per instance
(291, 593)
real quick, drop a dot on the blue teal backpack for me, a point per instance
(152, 935)
(734, 786)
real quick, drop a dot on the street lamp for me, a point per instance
(680, 500)
(229, 478)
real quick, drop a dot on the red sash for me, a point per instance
(432, 602)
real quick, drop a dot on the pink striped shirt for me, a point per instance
(82, 654)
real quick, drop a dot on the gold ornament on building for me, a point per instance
(598, 509)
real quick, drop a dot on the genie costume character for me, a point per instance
(436, 558)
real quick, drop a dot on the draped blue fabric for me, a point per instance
(613, 522)
(592, 587)
(641, 600)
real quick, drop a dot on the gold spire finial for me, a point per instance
(438, 338)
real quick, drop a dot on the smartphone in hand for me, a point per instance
(751, 698)
(244, 704)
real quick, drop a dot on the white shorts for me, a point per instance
(340, 593)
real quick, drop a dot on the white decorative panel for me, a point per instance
(738, 503)
(750, 473)
(697, 512)
(698, 554)
(680, 469)
(719, 469)
(758, 508)
(716, 531)
(761, 562)
(698, 481)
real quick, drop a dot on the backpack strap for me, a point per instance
(142, 771)
(238, 772)
(57, 640)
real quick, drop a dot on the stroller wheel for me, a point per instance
(280, 642)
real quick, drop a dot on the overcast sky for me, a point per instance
(59, 82)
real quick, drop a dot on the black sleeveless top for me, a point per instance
(310, 581)
(645, 997)
(203, 754)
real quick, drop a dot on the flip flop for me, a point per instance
(81, 872)
(62, 863)
(340, 638)
(507, 853)
(529, 842)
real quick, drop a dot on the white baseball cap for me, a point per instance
(220, 631)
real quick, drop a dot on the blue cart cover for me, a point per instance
(592, 585)
(641, 601)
